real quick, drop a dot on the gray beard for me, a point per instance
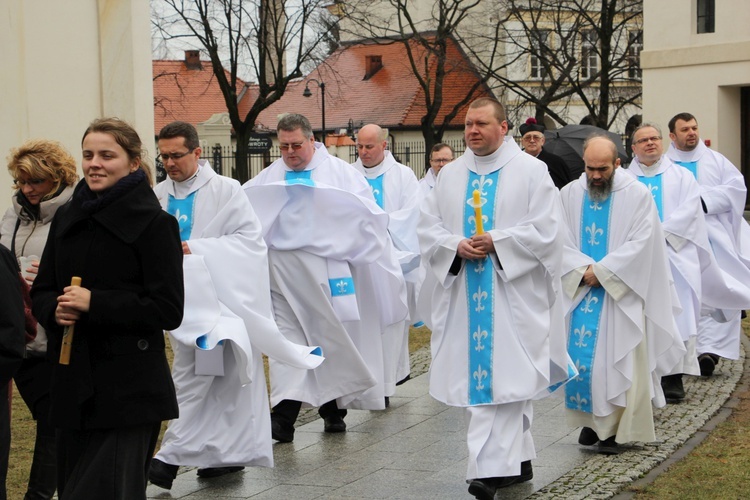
(601, 193)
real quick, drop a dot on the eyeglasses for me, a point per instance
(295, 146)
(531, 138)
(655, 138)
(441, 160)
(174, 156)
(30, 182)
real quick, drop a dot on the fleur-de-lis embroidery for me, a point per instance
(595, 206)
(581, 333)
(579, 401)
(341, 286)
(581, 369)
(480, 184)
(593, 233)
(479, 267)
(479, 335)
(180, 216)
(479, 375)
(587, 302)
(375, 192)
(478, 297)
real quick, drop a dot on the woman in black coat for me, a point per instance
(109, 401)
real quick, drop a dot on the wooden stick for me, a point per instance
(67, 340)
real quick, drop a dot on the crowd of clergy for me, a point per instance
(604, 290)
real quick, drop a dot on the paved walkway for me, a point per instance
(416, 450)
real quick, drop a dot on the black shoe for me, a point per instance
(588, 437)
(707, 363)
(404, 380)
(162, 474)
(483, 489)
(281, 432)
(609, 447)
(674, 391)
(387, 401)
(217, 471)
(527, 472)
(334, 423)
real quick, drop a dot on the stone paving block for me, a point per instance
(385, 483)
(292, 492)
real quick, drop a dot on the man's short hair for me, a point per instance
(686, 117)
(441, 145)
(294, 121)
(598, 135)
(489, 101)
(645, 125)
(181, 129)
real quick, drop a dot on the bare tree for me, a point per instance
(586, 51)
(267, 42)
(427, 36)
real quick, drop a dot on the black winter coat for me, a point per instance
(557, 168)
(129, 256)
(12, 321)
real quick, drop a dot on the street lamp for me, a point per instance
(307, 93)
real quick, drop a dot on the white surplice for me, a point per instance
(724, 194)
(224, 420)
(527, 337)
(401, 202)
(427, 183)
(638, 342)
(316, 230)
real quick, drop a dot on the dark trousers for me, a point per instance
(287, 411)
(4, 434)
(108, 463)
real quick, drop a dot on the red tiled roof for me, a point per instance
(392, 97)
(190, 95)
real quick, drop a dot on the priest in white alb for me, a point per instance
(441, 154)
(335, 281)
(622, 335)
(490, 295)
(224, 421)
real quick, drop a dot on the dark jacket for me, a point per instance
(130, 256)
(557, 168)
(12, 321)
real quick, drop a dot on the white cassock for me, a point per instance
(724, 194)
(396, 190)
(335, 281)
(637, 342)
(427, 183)
(497, 343)
(677, 197)
(218, 368)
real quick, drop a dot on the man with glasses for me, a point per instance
(698, 280)
(335, 281)
(396, 190)
(440, 155)
(532, 140)
(723, 196)
(224, 421)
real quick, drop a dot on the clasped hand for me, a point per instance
(477, 247)
(74, 301)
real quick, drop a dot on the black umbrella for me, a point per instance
(567, 143)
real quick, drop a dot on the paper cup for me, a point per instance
(25, 263)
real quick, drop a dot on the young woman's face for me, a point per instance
(104, 161)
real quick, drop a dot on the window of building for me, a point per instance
(635, 46)
(539, 41)
(589, 55)
(706, 16)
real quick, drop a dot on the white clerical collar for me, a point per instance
(653, 169)
(182, 189)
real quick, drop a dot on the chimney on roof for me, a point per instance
(372, 66)
(193, 59)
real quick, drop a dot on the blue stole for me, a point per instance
(584, 321)
(654, 185)
(692, 166)
(341, 286)
(301, 177)
(376, 185)
(183, 210)
(480, 281)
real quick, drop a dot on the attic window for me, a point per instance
(193, 59)
(372, 66)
